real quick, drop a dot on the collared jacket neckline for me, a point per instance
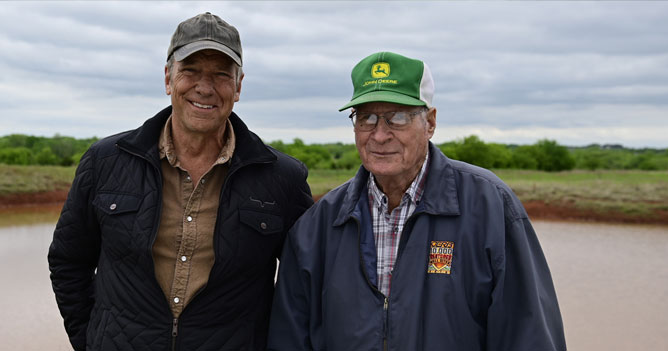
(143, 141)
(431, 202)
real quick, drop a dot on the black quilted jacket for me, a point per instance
(101, 255)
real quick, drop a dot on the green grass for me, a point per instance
(633, 192)
(617, 176)
(31, 179)
(629, 192)
(324, 180)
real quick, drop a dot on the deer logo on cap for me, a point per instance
(380, 70)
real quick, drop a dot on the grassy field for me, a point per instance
(324, 180)
(32, 179)
(635, 193)
(629, 192)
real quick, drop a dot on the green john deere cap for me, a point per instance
(390, 77)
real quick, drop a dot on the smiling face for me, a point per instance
(203, 87)
(395, 156)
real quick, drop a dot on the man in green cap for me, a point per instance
(417, 251)
(169, 236)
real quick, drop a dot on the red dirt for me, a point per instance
(536, 209)
(541, 210)
(33, 199)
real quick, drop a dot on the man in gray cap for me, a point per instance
(169, 237)
(417, 251)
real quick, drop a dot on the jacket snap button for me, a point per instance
(112, 207)
(263, 225)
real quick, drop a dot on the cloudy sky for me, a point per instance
(509, 72)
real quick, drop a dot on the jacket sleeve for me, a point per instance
(303, 197)
(291, 309)
(300, 199)
(74, 253)
(524, 313)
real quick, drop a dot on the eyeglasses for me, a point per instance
(397, 120)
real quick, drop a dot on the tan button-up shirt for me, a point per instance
(183, 250)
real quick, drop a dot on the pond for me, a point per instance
(611, 280)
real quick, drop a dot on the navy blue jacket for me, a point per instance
(101, 256)
(498, 294)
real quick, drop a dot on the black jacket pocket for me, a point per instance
(114, 204)
(263, 223)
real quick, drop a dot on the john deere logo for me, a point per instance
(380, 70)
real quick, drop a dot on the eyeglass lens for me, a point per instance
(394, 119)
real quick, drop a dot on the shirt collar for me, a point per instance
(413, 193)
(166, 144)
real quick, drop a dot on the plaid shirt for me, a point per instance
(387, 227)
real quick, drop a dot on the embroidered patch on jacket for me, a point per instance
(440, 257)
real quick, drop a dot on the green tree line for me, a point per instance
(19, 149)
(545, 155)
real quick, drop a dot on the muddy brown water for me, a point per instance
(612, 283)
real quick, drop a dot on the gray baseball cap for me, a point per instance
(205, 31)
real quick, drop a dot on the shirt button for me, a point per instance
(112, 207)
(263, 225)
(202, 181)
(183, 258)
(176, 300)
(188, 178)
(189, 219)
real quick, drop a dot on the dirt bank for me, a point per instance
(33, 199)
(541, 210)
(536, 209)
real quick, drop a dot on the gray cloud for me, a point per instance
(579, 72)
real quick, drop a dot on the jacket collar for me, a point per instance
(440, 191)
(143, 141)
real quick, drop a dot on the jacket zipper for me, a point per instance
(175, 332)
(220, 201)
(175, 321)
(386, 300)
(386, 304)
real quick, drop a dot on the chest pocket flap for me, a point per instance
(113, 204)
(264, 223)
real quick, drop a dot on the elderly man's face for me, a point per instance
(204, 88)
(395, 155)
